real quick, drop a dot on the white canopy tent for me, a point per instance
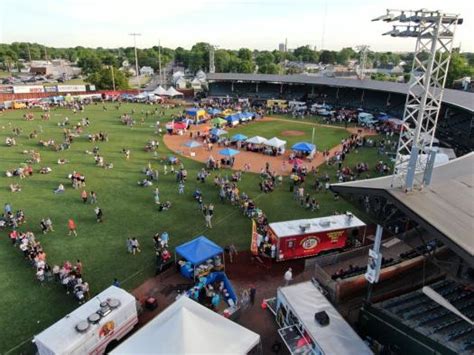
(256, 140)
(276, 142)
(173, 92)
(159, 91)
(186, 327)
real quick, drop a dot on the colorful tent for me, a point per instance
(228, 152)
(303, 147)
(214, 111)
(195, 112)
(218, 132)
(198, 250)
(238, 137)
(218, 121)
(192, 144)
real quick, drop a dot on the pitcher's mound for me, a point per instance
(292, 133)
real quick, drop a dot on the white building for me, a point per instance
(147, 71)
(181, 83)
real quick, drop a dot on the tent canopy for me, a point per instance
(198, 250)
(275, 142)
(232, 118)
(159, 91)
(257, 140)
(214, 111)
(218, 132)
(228, 152)
(238, 137)
(218, 121)
(303, 147)
(192, 144)
(195, 111)
(186, 327)
(173, 92)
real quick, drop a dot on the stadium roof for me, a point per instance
(462, 99)
(445, 208)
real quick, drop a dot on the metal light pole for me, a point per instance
(212, 66)
(363, 49)
(136, 56)
(159, 62)
(113, 76)
(434, 32)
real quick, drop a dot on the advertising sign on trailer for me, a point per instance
(53, 88)
(71, 88)
(27, 89)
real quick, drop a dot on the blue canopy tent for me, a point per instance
(233, 119)
(214, 111)
(238, 137)
(383, 117)
(304, 147)
(192, 144)
(214, 277)
(229, 152)
(196, 252)
(247, 116)
(218, 132)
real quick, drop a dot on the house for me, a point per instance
(177, 75)
(146, 71)
(196, 84)
(181, 83)
(201, 76)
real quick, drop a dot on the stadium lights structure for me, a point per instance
(434, 32)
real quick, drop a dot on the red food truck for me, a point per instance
(309, 237)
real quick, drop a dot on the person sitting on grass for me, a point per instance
(60, 189)
(145, 183)
(98, 214)
(164, 206)
(45, 170)
(15, 187)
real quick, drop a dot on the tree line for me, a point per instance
(94, 60)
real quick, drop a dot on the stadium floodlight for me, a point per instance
(434, 32)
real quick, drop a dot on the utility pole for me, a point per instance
(113, 76)
(159, 61)
(212, 66)
(29, 52)
(136, 56)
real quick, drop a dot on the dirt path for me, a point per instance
(257, 161)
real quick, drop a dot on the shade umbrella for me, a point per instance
(192, 144)
(228, 152)
(238, 137)
(218, 132)
(296, 161)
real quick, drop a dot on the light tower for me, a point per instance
(134, 35)
(434, 32)
(363, 49)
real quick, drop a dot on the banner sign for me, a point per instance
(27, 89)
(71, 88)
(253, 244)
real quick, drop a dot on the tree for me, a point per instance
(102, 79)
(246, 66)
(327, 57)
(245, 54)
(343, 56)
(458, 68)
(90, 63)
(305, 54)
(264, 58)
(222, 60)
(270, 68)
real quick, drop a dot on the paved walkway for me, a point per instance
(257, 161)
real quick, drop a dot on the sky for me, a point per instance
(232, 24)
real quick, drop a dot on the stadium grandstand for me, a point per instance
(455, 127)
(409, 319)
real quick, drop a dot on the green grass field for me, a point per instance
(129, 210)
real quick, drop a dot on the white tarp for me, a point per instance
(186, 327)
(275, 142)
(304, 299)
(173, 92)
(256, 140)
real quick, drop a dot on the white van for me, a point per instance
(89, 329)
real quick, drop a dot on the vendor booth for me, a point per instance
(213, 111)
(309, 237)
(196, 114)
(218, 122)
(176, 127)
(256, 140)
(233, 120)
(278, 145)
(186, 327)
(199, 257)
(311, 325)
(304, 149)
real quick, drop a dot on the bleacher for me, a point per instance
(418, 312)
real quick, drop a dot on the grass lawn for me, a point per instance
(324, 138)
(129, 210)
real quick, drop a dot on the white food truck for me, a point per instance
(90, 328)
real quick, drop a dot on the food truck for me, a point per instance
(90, 328)
(309, 323)
(309, 237)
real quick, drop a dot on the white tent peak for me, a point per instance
(275, 142)
(159, 91)
(173, 92)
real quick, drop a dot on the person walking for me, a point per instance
(84, 196)
(72, 227)
(129, 245)
(49, 225)
(135, 246)
(288, 276)
(181, 188)
(93, 197)
(208, 219)
(157, 196)
(98, 214)
(253, 293)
